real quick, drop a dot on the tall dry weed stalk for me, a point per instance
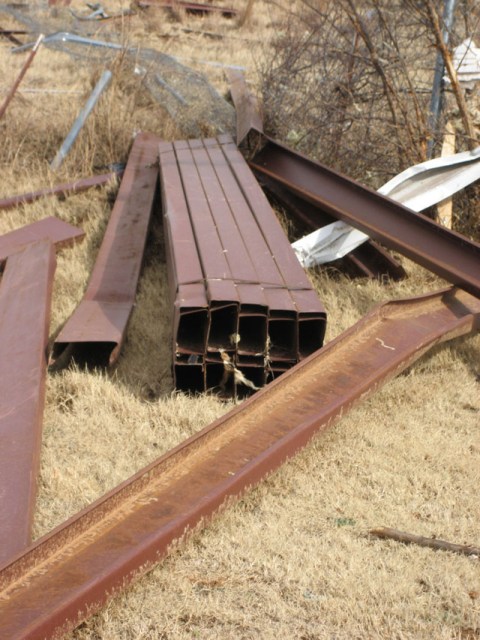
(349, 83)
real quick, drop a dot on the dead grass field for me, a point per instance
(293, 558)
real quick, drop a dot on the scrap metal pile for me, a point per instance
(243, 314)
(244, 310)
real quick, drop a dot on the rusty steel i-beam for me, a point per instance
(71, 572)
(444, 252)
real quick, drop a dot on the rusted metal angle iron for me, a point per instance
(71, 572)
(445, 252)
(60, 233)
(11, 33)
(61, 190)
(95, 332)
(25, 295)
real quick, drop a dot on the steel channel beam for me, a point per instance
(94, 334)
(25, 295)
(71, 572)
(60, 190)
(21, 75)
(445, 252)
(60, 233)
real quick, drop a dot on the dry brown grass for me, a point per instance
(292, 559)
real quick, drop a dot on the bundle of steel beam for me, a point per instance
(244, 310)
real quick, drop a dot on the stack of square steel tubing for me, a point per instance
(243, 307)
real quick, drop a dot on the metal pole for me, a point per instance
(80, 121)
(27, 63)
(437, 89)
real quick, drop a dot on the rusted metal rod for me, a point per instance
(432, 543)
(61, 190)
(23, 71)
(71, 572)
(25, 295)
(192, 7)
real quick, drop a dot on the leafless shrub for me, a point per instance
(347, 86)
(349, 83)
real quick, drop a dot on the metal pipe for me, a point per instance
(437, 89)
(80, 121)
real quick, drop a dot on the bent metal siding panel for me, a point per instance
(71, 572)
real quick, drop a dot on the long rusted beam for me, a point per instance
(95, 332)
(60, 190)
(60, 233)
(71, 572)
(445, 252)
(25, 295)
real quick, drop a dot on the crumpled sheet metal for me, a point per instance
(70, 573)
(466, 61)
(25, 296)
(95, 332)
(418, 188)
